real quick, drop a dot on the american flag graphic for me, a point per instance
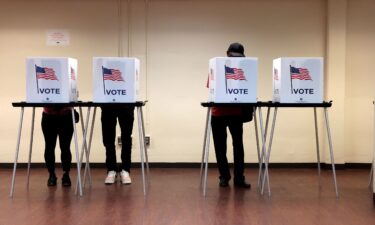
(45, 73)
(275, 74)
(72, 74)
(234, 73)
(299, 73)
(112, 74)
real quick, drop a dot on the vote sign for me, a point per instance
(51, 80)
(298, 80)
(233, 79)
(116, 79)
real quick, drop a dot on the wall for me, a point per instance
(174, 40)
(23, 26)
(360, 80)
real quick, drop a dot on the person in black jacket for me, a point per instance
(231, 118)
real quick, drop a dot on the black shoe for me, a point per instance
(223, 182)
(65, 180)
(52, 180)
(242, 184)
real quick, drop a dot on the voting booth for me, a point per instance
(51, 80)
(233, 79)
(298, 80)
(116, 79)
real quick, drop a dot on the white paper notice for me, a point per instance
(58, 37)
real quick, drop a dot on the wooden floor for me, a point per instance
(174, 198)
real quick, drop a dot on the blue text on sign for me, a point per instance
(49, 91)
(308, 91)
(115, 92)
(237, 91)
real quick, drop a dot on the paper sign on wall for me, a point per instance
(58, 37)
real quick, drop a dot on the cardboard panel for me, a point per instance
(51, 80)
(298, 80)
(233, 79)
(116, 79)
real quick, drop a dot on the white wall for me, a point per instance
(174, 40)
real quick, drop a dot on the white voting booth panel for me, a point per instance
(233, 79)
(298, 80)
(51, 80)
(116, 79)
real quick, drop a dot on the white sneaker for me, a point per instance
(125, 177)
(111, 177)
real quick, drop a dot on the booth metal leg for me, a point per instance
(261, 156)
(317, 146)
(371, 174)
(264, 138)
(206, 151)
(331, 151)
(267, 156)
(85, 129)
(204, 145)
(373, 162)
(17, 151)
(371, 179)
(142, 147)
(256, 134)
(145, 146)
(77, 153)
(87, 166)
(257, 143)
(84, 143)
(30, 147)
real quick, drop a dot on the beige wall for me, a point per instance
(174, 40)
(360, 80)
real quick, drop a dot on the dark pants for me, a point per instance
(61, 126)
(219, 132)
(125, 118)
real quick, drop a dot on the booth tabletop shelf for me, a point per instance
(100, 104)
(213, 104)
(76, 104)
(269, 104)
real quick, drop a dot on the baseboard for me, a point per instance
(358, 165)
(210, 165)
